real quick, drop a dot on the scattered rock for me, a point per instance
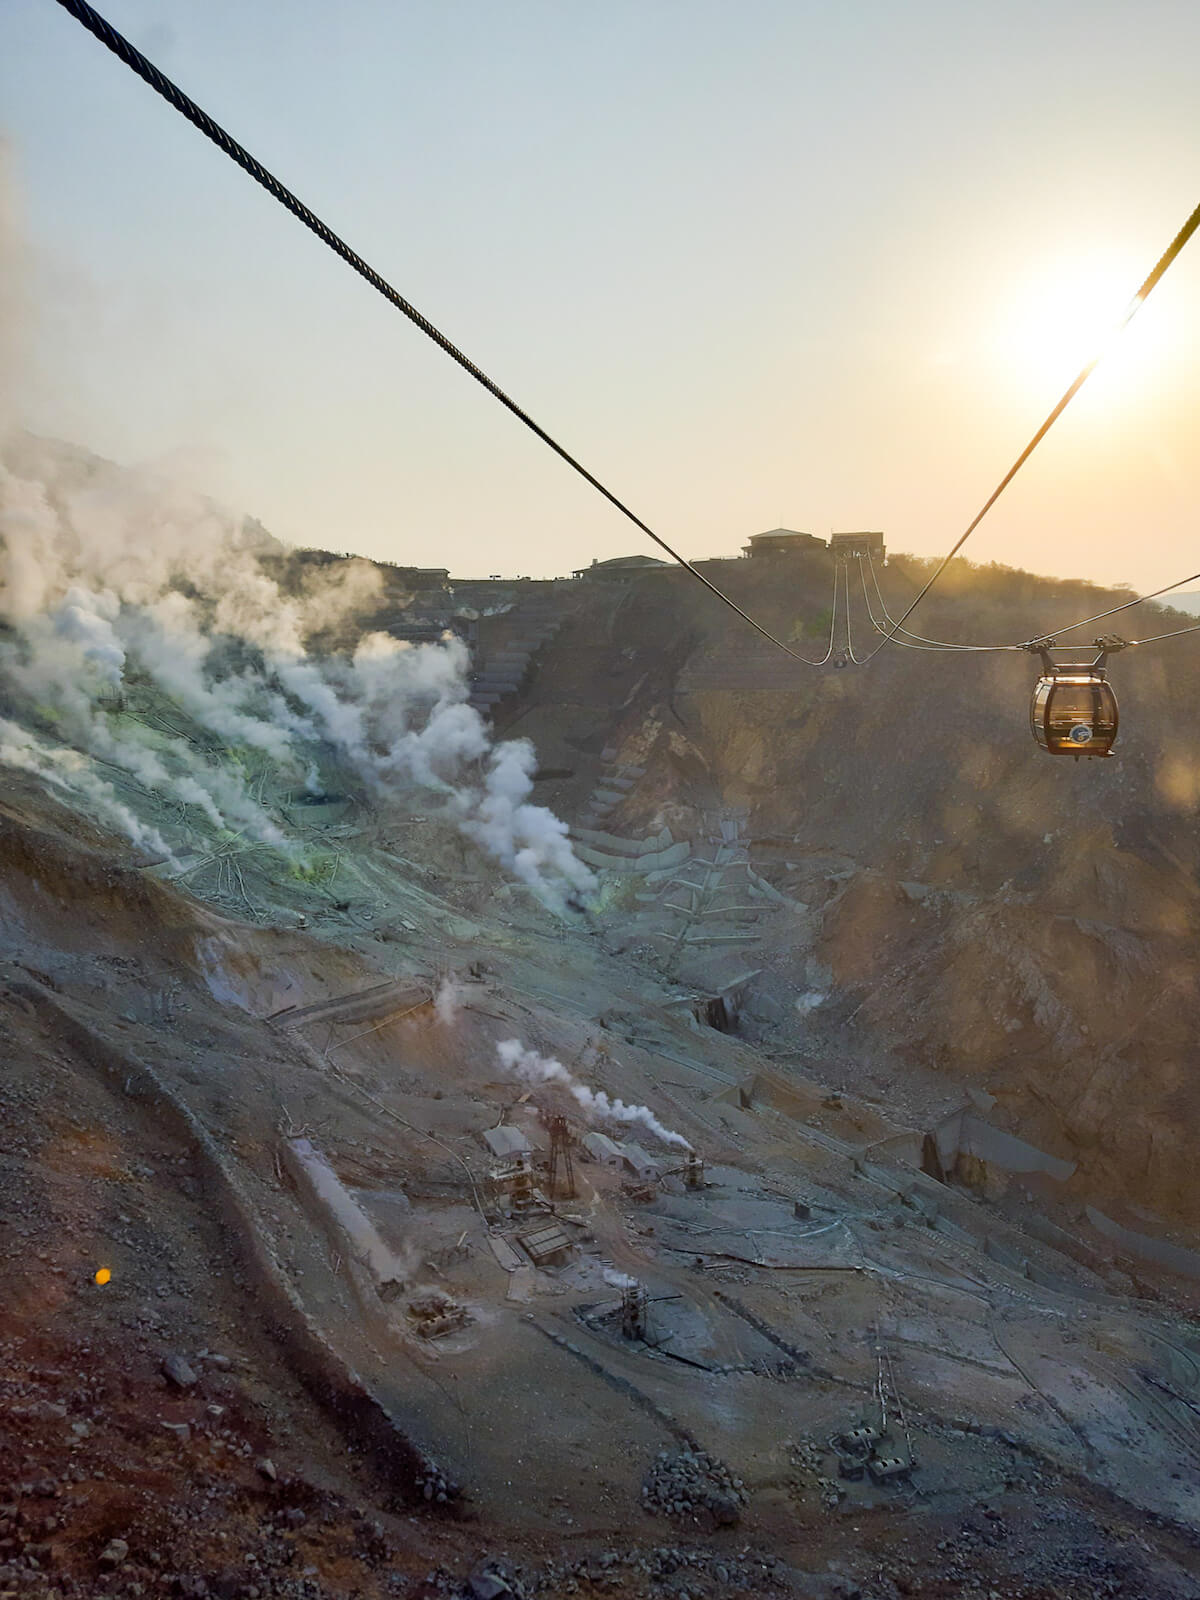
(484, 1584)
(179, 1372)
(114, 1553)
(266, 1467)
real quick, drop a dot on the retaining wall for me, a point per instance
(1175, 1257)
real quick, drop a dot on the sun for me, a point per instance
(1055, 319)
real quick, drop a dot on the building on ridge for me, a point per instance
(781, 542)
(858, 544)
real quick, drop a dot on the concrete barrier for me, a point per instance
(349, 1228)
(653, 861)
(1175, 1257)
(617, 845)
(966, 1134)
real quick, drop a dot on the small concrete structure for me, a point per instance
(350, 1229)
(604, 1150)
(640, 1163)
(1175, 1257)
(964, 1134)
(507, 1144)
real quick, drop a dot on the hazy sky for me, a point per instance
(825, 265)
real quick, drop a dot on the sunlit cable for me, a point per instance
(1139, 299)
(162, 85)
(924, 643)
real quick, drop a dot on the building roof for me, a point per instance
(640, 1160)
(619, 565)
(781, 539)
(504, 1141)
(602, 1147)
(544, 1242)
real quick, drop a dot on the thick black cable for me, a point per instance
(1160, 267)
(162, 85)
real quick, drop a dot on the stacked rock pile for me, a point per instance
(686, 1483)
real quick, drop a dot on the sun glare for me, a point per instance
(1059, 319)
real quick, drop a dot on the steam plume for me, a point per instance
(124, 599)
(618, 1280)
(448, 1000)
(529, 1067)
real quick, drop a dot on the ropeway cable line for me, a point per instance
(133, 58)
(174, 96)
(1020, 644)
(1149, 284)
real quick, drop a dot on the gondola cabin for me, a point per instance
(1074, 710)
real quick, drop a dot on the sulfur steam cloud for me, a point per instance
(529, 1067)
(115, 582)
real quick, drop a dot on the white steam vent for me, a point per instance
(619, 1280)
(529, 1067)
(111, 578)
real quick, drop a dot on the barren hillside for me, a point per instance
(509, 1089)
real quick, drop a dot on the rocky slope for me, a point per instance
(1018, 923)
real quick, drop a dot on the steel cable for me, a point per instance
(925, 643)
(878, 626)
(162, 85)
(857, 660)
(1124, 606)
(121, 47)
(1174, 634)
(832, 624)
(1027, 644)
(1160, 267)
